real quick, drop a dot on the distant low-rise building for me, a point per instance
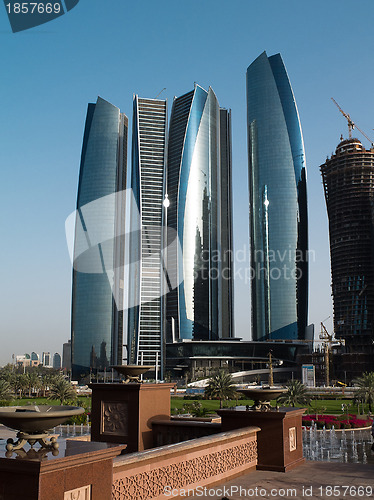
(35, 360)
(23, 360)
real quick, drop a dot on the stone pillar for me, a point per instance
(123, 413)
(77, 469)
(280, 441)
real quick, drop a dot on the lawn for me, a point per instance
(45, 401)
(326, 406)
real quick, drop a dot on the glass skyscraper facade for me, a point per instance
(97, 308)
(278, 203)
(199, 190)
(145, 320)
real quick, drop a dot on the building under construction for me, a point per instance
(348, 180)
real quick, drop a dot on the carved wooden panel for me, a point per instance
(114, 418)
(151, 484)
(292, 437)
(83, 493)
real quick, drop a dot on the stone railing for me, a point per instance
(185, 466)
(176, 431)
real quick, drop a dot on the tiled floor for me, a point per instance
(312, 480)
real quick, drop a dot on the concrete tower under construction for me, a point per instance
(348, 180)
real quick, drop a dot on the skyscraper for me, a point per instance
(199, 190)
(66, 355)
(145, 324)
(46, 359)
(348, 181)
(56, 361)
(97, 297)
(278, 204)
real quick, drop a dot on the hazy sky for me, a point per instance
(116, 48)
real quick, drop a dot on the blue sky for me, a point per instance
(117, 48)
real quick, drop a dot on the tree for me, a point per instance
(5, 390)
(366, 389)
(296, 394)
(221, 386)
(63, 390)
(18, 383)
(33, 382)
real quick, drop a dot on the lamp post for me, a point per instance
(164, 291)
(271, 379)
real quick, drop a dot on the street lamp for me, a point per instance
(166, 204)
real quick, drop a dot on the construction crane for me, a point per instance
(327, 339)
(160, 93)
(351, 124)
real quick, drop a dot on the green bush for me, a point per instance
(78, 419)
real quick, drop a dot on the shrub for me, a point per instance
(345, 425)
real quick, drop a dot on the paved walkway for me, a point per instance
(311, 480)
(6, 433)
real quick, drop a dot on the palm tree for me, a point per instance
(221, 386)
(5, 390)
(366, 388)
(33, 381)
(63, 390)
(296, 394)
(18, 383)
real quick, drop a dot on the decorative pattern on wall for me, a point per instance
(188, 473)
(83, 493)
(114, 418)
(292, 438)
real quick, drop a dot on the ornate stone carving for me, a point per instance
(151, 484)
(114, 418)
(83, 493)
(292, 438)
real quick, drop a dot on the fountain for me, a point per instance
(280, 426)
(123, 412)
(132, 372)
(34, 422)
(262, 396)
(346, 446)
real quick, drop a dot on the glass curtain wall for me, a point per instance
(97, 309)
(278, 204)
(195, 189)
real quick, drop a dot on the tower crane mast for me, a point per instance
(351, 124)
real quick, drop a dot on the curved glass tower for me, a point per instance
(278, 203)
(199, 190)
(97, 322)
